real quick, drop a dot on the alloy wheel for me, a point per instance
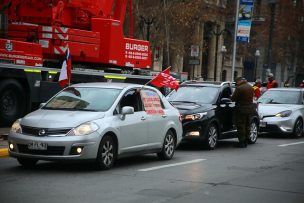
(253, 132)
(299, 128)
(212, 136)
(107, 153)
(169, 145)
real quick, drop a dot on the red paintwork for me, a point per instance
(90, 28)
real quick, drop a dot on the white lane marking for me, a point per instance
(290, 144)
(171, 165)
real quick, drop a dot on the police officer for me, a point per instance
(243, 98)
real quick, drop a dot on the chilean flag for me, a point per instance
(165, 79)
(65, 73)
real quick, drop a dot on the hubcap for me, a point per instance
(169, 145)
(299, 128)
(107, 153)
(253, 132)
(8, 102)
(212, 136)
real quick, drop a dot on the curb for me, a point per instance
(4, 152)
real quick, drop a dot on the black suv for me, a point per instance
(207, 112)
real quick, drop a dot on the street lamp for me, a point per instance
(257, 54)
(217, 34)
(224, 51)
(148, 22)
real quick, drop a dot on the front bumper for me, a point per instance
(194, 130)
(58, 148)
(277, 125)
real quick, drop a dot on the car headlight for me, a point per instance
(194, 117)
(84, 129)
(16, 127)
(284, 113)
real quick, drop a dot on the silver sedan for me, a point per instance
(100, 122)
(281, 110)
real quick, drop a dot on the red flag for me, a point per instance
(165, 79)
(65, 73)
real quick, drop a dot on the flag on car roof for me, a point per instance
(165, 79)
(65, 73)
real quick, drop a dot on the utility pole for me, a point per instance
(167, 34)
(234, 41)
(272, 5)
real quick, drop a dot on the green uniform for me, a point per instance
(243, 97)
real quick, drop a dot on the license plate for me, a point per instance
(37, 146)
(263, 124)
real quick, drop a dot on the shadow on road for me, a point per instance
(82, 167)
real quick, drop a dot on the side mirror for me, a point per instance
(126, 111)
(41, 105)
(226, 101)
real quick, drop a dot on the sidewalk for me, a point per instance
(3, 142)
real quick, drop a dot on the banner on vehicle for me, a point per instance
(245, 20)
(151, 102)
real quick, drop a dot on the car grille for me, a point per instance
(51, 150)
(48, 131)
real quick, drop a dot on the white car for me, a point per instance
(281, 110)
(100, 122)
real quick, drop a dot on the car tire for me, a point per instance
(12, 102)
(168, 148)
(212, 135)
(106, 153)
(253, 132)
(298, 128)
(27, 163)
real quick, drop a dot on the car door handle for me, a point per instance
(164, 116)
(143, 118)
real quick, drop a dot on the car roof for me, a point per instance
(287, 89)
(113, 85)
(205, 84)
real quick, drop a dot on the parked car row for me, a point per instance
(102, 122)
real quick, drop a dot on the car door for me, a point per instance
(156, 116)
(225, 111)
(134, 127)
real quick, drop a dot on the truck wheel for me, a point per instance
(12, 101)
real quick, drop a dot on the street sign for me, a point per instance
(194, 62)
(194, 51)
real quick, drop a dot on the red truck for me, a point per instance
(35, 35)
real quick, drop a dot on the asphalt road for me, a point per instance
(264, 172)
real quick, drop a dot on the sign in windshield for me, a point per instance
(83, 99)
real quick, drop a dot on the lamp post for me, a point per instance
(224, 51)
(257, 54)
(217, 34)
(148, 23)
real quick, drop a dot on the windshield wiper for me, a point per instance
(69, 109)
(187, 102)
(77, 109)
(272, 102)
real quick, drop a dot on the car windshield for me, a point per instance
(83, 99)
(280, 97)
(194, 94)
